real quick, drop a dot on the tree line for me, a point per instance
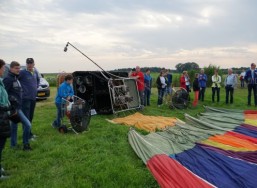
(191, 68)
(188, 66)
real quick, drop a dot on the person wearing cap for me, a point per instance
(14, 90)
(251, 80)
(29, 80)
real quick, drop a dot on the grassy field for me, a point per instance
(101, 157)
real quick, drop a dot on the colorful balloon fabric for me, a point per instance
(216, 149)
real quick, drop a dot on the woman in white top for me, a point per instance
(187, 80)
(216, 80)
(161, 85)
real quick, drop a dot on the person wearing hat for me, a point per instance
(251, 80)
(29, 80)
(14, 90)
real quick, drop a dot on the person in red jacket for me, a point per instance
(183, 80)
(139, 76)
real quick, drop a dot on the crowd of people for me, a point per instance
(18, 91)
(199, 84)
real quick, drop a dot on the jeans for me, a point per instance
(141, 95)
(250, 88)
(229, 92)
(147, 96)
(214, 89)
(28, 108)
(160, 95)
(60, 115)
(168, 90)
(26, 125)
(201, 94)
(242, 83)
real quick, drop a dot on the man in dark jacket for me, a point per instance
(5, 128)
(251, 80)
(29, 82)
(202, 78)
(14, 90)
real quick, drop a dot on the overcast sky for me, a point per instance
(125, 33)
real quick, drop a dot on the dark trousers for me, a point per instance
(28, 108)
(250, 88)
(201, 94)
(242, 83)
(216, 90)
(229, 94)
(147, 96)
(160, 95)
(142, 96)
(2, 143)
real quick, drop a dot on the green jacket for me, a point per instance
(4, 102)
(5, 128)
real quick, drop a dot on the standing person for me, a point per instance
(161, 86)
(14, 90)
(169, 86)
(196, 89)
(187, 80)
(202, 83)
(139, 76)
(148, 86)
(169, 82)
(182, 80)
(29, 80)
(251, 80)
(242, 78)
(65, 91)
(230, 83)
(216, 80)
(5, 129)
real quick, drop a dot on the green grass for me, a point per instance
(101, 157)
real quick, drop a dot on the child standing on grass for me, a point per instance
(65, 91)
(196, 89)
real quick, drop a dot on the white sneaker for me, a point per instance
(2, 177)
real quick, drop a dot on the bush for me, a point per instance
(52, 79)
(209, 71)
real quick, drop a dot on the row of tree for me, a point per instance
(188, 66)
(192, 68)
